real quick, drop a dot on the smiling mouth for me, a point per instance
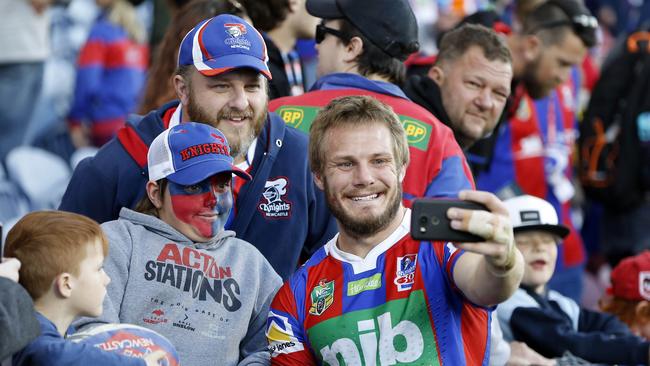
(366, 198)
(538, 263)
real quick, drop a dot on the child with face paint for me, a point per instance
(175, 269)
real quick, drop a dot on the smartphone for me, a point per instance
(429, 220)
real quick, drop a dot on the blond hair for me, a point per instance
(356, 110)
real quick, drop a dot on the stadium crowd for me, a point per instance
(246, 182)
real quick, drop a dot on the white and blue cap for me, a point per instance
(529, 213)
(189, 153)
(224, 43)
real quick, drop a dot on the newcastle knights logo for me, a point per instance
(274, 204)
(322, 296)
(405, 274)
(237, 33)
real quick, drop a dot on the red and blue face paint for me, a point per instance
(205, 206)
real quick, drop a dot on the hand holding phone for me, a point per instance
(429, 220)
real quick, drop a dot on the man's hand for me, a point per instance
(522, 355)
(495, 226)
(9, 268)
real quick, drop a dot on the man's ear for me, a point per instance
(437, 74)
(641, 310)
(353, 49)
(294, 4)
(531, 47)
(154, 194)
(63, 285)
(182, 88)
(318, 180)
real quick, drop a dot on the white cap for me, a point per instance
(531, 213)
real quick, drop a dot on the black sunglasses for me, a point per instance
(322, 30)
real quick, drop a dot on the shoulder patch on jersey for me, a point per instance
(280, 335)
(417, 133)
(298, 117)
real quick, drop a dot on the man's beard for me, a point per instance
(360, 227)
(239, 139)
(534, 87)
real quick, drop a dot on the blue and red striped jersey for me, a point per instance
(398, 305)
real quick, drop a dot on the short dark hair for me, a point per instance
(373, 60)
(552, 19)
(456, 42)
(267, 14)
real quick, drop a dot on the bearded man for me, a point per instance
(221, 80)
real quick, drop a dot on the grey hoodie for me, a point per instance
(209, 299)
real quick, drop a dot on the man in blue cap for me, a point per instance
(221, 80)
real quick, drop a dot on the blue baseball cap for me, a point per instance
(189, 153)
(224, 43)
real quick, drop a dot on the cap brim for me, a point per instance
(231, 62)
(196, 173)
(326, 9)
(559, 230)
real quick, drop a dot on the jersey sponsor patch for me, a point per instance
(280, 335)
(274, 203)
(322, 296)
(396, 332)
(417, 133)
(405, 274)
(365, 284)
(299, 117)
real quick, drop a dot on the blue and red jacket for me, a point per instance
(280, 211)
(533, 154)
(437, 168)
(111, 72)
(398, 305)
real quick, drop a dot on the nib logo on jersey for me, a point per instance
(274, 203)
(194, 272)
(396, 332)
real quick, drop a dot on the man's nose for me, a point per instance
(363, 175)
(238, 99)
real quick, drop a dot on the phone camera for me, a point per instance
(435, 220)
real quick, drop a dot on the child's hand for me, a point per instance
(155, 358)
(9, 268)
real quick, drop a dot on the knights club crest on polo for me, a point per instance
(322, 296)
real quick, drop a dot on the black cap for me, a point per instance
(388, 24)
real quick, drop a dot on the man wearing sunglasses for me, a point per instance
(361, 48)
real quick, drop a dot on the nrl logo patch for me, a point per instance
(405, 274)
(274, 204)
(236, 33)
(322, 296)
(644, 285)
